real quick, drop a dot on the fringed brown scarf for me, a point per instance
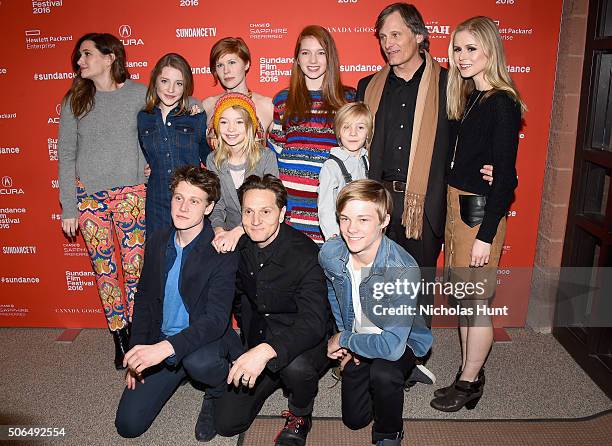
(422, 144)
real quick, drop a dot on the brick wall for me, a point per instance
(559, 165)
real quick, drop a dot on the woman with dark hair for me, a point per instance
(302, 132)
(101, 173)
(230, 61)
(169, 135)
(484, 101)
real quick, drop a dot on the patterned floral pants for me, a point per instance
(120, 213)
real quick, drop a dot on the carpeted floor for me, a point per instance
(592, 431)
(45, 383)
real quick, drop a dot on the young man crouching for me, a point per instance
(370, 280)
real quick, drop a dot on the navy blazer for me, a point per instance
(207, 285)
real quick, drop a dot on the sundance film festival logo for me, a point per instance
(8, 188)
(125, 34)
(52, 148)
(77, 280)
(45, 7)
(35, 40)
(19, 249)
(10, 217)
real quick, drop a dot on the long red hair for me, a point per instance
(299, 104)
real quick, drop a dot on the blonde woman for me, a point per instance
(238, 155)
(483, 99)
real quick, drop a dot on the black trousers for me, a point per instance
(238, 407)
(374, 389)
(138, 408)
(425, 250)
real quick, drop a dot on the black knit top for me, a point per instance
(489, 134)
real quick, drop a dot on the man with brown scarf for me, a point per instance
(411, 140)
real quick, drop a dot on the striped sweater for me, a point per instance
(302, 148)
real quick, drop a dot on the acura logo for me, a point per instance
(58, 109)
(7, 182)
(125, 31)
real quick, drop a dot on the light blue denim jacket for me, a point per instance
(392, 263)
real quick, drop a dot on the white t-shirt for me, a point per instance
(361, 324)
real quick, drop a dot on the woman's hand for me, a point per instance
(480, 253)
(70, 226)
(226, 241)
(147, 171)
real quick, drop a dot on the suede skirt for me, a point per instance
(458, 241)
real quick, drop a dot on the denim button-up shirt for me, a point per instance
(181, 140)
(392, 309)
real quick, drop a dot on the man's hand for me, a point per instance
(147, 171)
(249, 365)
(334, 351)
(487, 171)
(130, 379)
(345, 360)
(142, 357)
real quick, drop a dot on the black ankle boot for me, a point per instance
(122, 345)
(444, 390)
(463, 393)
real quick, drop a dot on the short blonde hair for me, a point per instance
(366, 190)
(349, 113)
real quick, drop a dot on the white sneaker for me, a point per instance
(420, 374)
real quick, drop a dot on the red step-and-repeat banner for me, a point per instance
(46, 279)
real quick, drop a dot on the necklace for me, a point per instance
(452, 164)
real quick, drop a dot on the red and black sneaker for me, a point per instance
(295, 431)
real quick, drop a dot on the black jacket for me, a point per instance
(207, 286)
(435, 197)
(289, 291)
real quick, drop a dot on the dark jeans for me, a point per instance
(374, 389)
(425, 250)
(138, 408)
(237, 408)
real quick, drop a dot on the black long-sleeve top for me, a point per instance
(489, 134)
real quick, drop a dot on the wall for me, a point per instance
(46, 279)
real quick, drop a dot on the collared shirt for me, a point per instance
(400, 98)
(175, 315)
(256, 259)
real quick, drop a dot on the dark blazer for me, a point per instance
(435, 197)
(207, 286)
(289, 291)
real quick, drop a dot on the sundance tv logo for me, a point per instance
(8, 188)
(125, 34)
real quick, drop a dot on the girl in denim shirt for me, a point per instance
(169, 135)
